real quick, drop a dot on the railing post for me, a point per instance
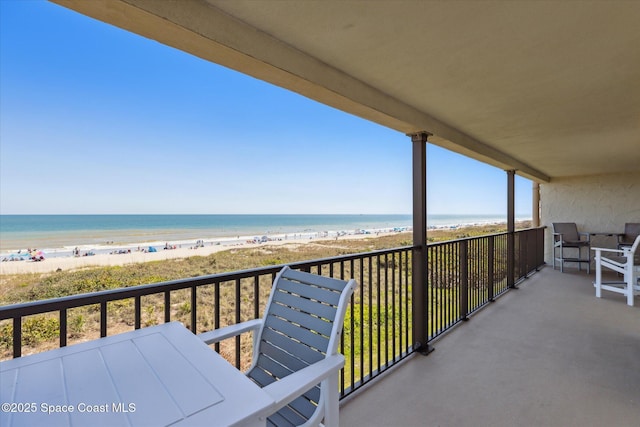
(464, 278)
(137, 318)
(103, 319)
(63, 327)
(194, 309)
(511, 226)
(490, 272)
(419, 259)
(17, 337)
(167, 308)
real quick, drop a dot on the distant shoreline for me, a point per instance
(114, 247)
(132, 254)
(55, 234)
(110, 255)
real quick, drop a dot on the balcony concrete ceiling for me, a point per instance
(550, 89)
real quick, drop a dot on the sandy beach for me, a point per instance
(139, 253)
(69, 263)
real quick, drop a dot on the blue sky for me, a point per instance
(94, 119)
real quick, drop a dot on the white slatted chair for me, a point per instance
(295, 356)
(626, 264)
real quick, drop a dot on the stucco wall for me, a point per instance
(599, 203)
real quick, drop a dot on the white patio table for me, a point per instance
(156, 376)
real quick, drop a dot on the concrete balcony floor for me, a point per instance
(547, 354)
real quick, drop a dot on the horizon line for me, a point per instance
(279, 214)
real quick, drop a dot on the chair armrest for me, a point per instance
(230, 331)
(588, 236)
(290, 387)
(607, 250)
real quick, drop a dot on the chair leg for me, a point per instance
(588, 259)
(598, 282)
(331, 411)
(561, 259)
(628, 279)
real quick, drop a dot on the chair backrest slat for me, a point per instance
(305, 405)
(271, 368)
(303, 319)
(274, 368)
(326, 282)
(286, 417)
(262, 377)
(312, 307)
(299, 334)
(289, 360)
(326, 295)
(298, 349)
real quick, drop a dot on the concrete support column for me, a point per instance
(419, 258)
(511, 227)
(535, 202)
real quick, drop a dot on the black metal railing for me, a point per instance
(377, 324)
(463, 275)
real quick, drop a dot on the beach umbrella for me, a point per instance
(37, 255)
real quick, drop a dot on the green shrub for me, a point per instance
(77, 325)
(184, 308)
(38, 329)
(6, 336)
(150, 311)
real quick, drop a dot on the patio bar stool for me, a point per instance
(567, 237)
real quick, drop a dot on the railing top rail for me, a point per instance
(303, 264)
(484, 236)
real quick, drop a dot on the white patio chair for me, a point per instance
(295, 344)
(627, 264)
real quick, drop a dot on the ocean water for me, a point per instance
(59, 233)
(52, 232)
